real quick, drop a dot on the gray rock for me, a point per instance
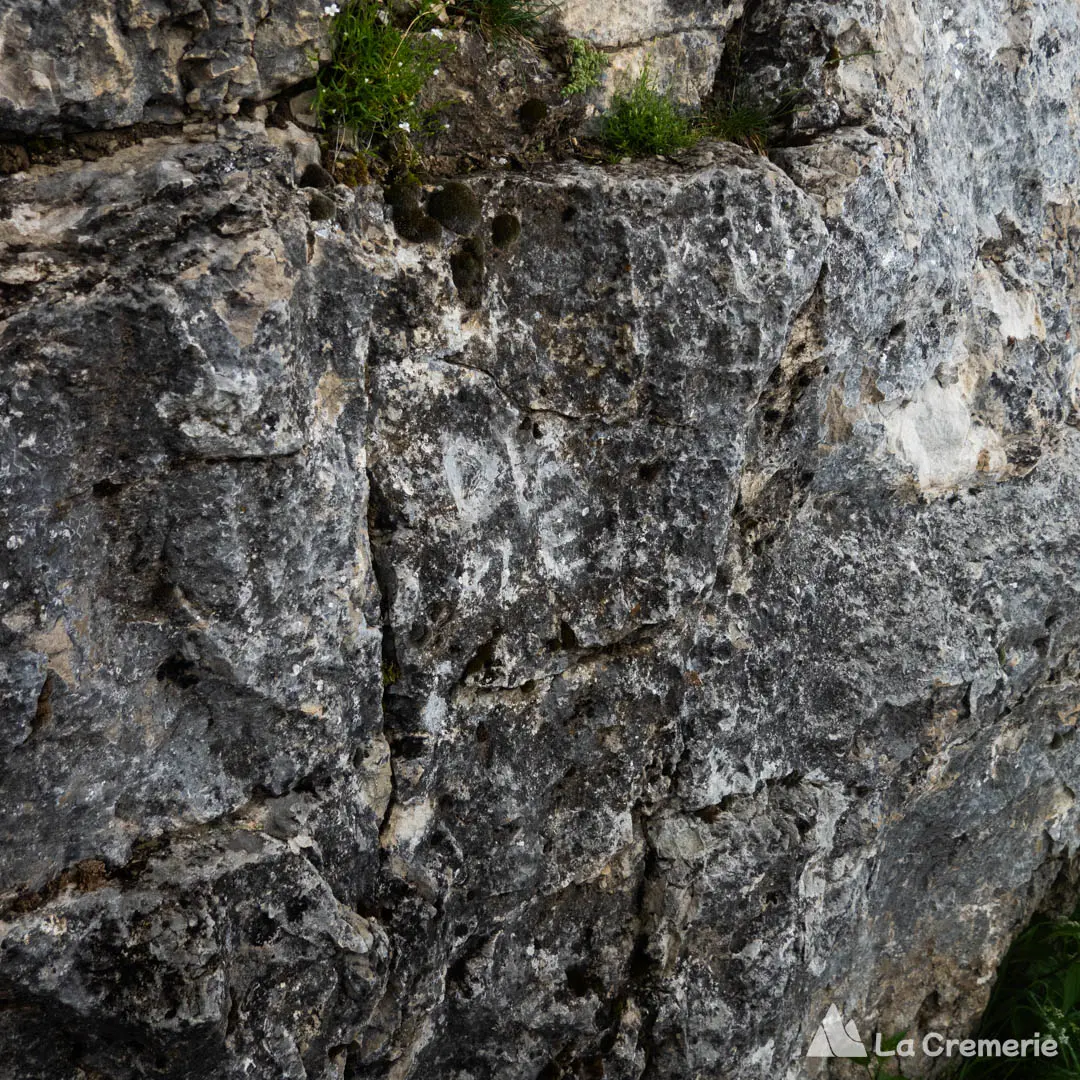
(602, 664)
(81, 64)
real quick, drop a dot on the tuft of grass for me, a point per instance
(377, 71)
(586, 64)
(747, 125)
(507, 21)
(1037, 990)
(645, 121)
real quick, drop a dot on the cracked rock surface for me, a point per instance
(588, 655)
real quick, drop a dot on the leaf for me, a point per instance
(1070, 989)
(890, 1044)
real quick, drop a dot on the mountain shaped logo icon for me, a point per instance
(835, 1038)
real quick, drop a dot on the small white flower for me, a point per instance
(330, 9)
(404, 125)
(435, 72)
(436, 33)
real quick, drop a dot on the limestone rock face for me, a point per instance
(74, 65)
(681, 41)
(591, 654)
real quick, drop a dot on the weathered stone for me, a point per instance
(198, 961)
(630, 22)
(681, 41)
(598, 660)
(79, 64)
(300, 145)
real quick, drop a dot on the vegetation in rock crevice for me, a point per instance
(507, 21)
(744, 123)
(1037, 990)
(378, 69)
(586, 64)
(646, 121)
(371, 95)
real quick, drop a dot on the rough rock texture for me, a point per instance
(681, 41)
(585, 657)
(73, 65)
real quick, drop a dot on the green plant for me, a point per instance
(835, 57)
(738, 117)
(390, 673)
(882, 1068)
(645, 121)
(377, 70)
(745, 124)
(507, 21)
(586, 64)
(1037, 990)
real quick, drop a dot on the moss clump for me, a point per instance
(645, 121)
(352, 171)
(532, 114)
(467, 265)
(405, 189)
(505, 229)
(410, 219)
(321, 207)
(315, 176)
(456, 207)
(413, 224)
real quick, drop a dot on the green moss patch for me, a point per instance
(456, 207)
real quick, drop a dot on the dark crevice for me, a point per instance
(18, 152)
(635, 643)
(233, 459)
(44, 710)
(381, 523)
(93, 873)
